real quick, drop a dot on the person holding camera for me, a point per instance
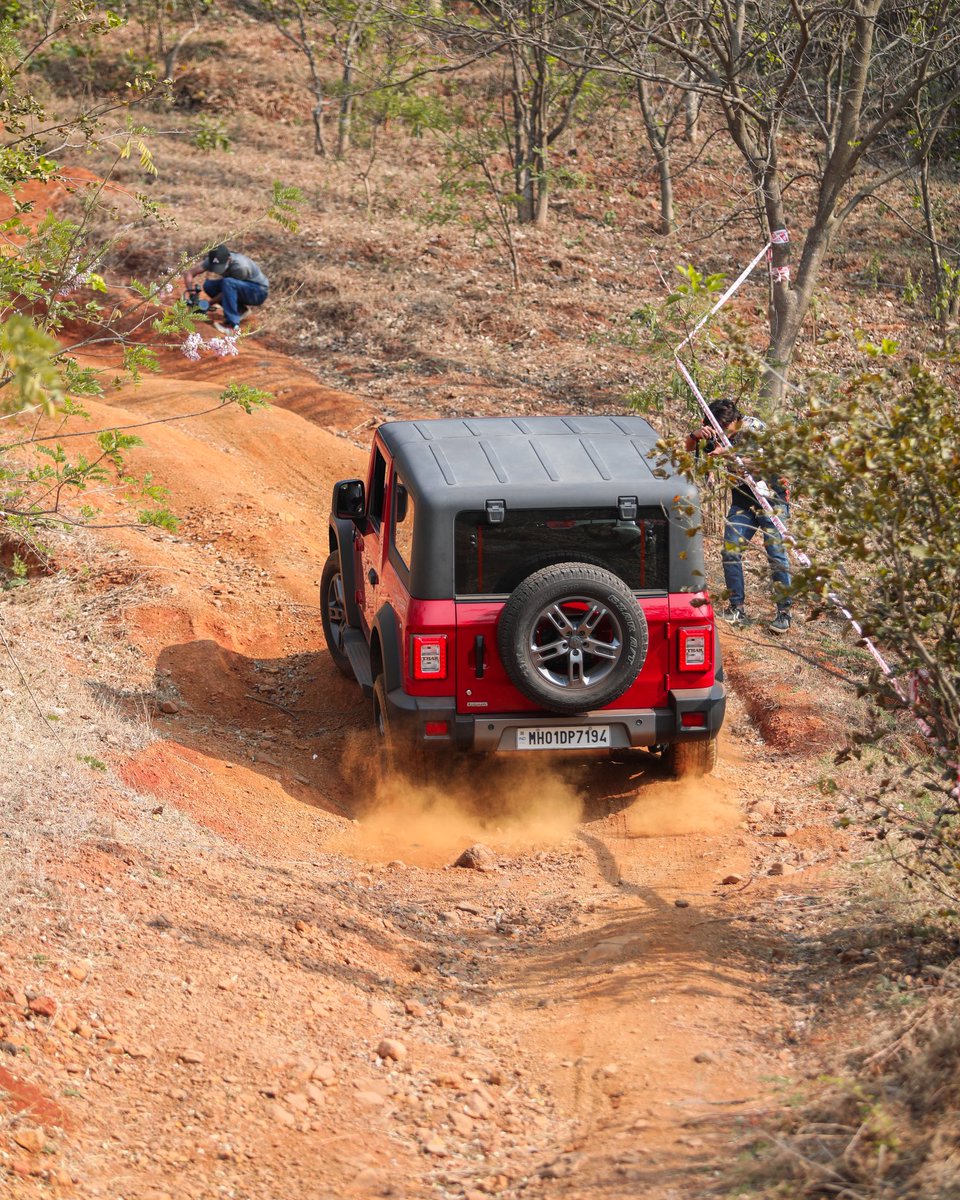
(239, 284)
(746, 515)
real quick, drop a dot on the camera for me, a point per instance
(193, 298)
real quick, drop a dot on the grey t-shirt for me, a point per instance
(239, 267)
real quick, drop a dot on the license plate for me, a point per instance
(563, 737)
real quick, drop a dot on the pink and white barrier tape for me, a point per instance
(779, 237)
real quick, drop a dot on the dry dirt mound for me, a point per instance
(789, 715)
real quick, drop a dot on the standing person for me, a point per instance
(241, 284)
(745, 515)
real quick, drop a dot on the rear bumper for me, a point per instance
(633, 728)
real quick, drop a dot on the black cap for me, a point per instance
(218, 258)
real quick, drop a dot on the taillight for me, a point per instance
(696, 649)
(693, 720)
(428, 655)
(436, 728)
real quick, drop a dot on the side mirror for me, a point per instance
(349, 500)
(402, 503)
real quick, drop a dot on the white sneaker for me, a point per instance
(229, 330)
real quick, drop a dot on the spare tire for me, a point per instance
(572, 637)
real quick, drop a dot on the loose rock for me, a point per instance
(324, 1073)
(477, 858)
(281, 1115)
(392, 1048)
(461, 1123)
(32, 1140)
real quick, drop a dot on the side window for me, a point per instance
(403, 520)
(377, 490)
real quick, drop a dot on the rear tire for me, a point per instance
(691, 760)
(397, 755)
(333, 614)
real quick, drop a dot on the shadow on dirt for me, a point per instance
(284, 718)
(301, 723)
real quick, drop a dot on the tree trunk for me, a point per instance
(538, 144)
(346, 108)
(350, 49)
(528, 94)
(790, 299)
(319, 142)
(522, 181)
(173, 54)
(691, 118)
(933, 240)
(658, 139)
(345, 120)
(665, 171)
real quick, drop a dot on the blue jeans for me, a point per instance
(234, 293)
(742, 523)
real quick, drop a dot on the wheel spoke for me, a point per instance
(551, 650)
(591, 620)
(609, 650)
(556, 616)
(337, 609)
(575, 669)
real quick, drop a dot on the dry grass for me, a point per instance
(889, 1129)
(62, 653)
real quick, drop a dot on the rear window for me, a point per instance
(493, 559)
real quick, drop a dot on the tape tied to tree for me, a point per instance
(778, 237)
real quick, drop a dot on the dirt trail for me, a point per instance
(601, 1016)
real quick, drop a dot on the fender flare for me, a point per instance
(341, 541)
(386, 628)
(717, 656)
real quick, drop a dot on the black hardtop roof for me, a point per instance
(584, 459)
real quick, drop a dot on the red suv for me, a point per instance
(523, 584)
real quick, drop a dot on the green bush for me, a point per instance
(875, 466)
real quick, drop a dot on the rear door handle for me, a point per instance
(478, 653)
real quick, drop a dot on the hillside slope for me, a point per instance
(237, 977)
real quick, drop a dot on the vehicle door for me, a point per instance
(371, 539)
